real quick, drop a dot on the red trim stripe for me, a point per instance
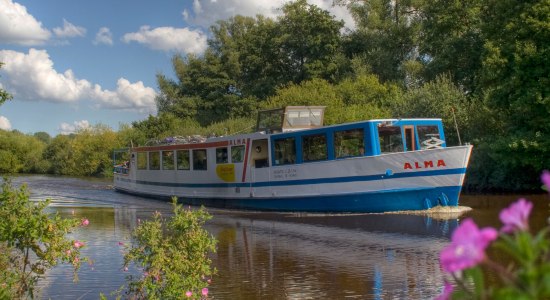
(182, 146)
(246, 158)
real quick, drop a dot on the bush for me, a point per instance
(31, 242)
(172, 255)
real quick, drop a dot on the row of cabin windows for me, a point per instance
(181, 159)
(350, 143)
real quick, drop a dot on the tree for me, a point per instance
(91, 150)
(43, 136)
(59, 154)
(3, 94)
(386, 38)
(309, 39)
(452, 41)
(515, 85)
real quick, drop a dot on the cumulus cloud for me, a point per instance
(19, 27)
(5, 123)
(66, 128)
(205, 13)
(69, 30)
(127, 96)
(169, 39)
(103, 36)
(32, 77)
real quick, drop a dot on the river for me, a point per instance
(270, 255)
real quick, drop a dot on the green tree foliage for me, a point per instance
(59, 154)
(3, 94)
(386, 37)
(172, 254)
(452, 41)
(515, 86)
(343, 102)
(309, 40)
(43, 136)
(437, 99)
(20, 153)
(248, 59)
(91, 150)
(32, 242)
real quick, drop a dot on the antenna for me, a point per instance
(456, 126)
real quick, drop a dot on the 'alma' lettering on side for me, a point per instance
(424, 165)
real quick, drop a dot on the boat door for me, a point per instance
(258, 162)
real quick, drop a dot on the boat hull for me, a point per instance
(394, 182)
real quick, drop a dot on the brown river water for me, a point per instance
(272, 255)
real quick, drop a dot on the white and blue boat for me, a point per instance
(294, 163)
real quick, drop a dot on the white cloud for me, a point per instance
(104, 36)
(32, 77)
(169, 39)
(66, 128)
(127, 96)
(69, 30)
(206, 13)
(17, 26)
(5, 123)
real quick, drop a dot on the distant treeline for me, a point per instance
(484, 62)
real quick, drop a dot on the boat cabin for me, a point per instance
(292, 135)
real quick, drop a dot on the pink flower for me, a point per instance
(84, 222)
(78, 244)
(515, 217)
(188, 294)
(447, 292)
(68, 252)
(204, 292)
(545, 178)
(120, 243)
(125, 269)
(467, 247)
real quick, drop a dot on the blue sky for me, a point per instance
(73, 64)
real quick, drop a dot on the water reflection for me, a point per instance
(262, 255)
(281, 256)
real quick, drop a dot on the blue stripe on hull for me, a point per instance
(365, 202)
(304, 181)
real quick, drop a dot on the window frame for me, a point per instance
(195, 159)
(178, 161)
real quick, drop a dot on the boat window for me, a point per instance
(285, 151)
(221, 155)
(199, 159)
(237, 154)
(390, 139)
(349, 143)
(142, 160)
(429, 137)
(410, 144)
(314, 147)
(154, 160)
(168, 160)
(182, 159)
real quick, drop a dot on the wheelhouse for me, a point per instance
(370, 138)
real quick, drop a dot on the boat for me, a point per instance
(292, 162)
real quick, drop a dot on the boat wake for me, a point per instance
(437, 212)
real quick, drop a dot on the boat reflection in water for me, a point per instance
(286, 256)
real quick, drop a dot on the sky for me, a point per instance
(73, 64)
